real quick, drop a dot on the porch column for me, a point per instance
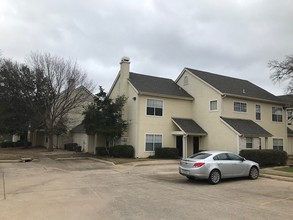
(184, 155)
(266, 143)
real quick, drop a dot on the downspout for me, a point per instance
(184, 146)
(222, 104)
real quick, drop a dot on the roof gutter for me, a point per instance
(255, 99)
(165, 96)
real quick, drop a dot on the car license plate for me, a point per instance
(184, 171)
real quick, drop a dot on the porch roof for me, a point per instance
(247, 128)
(188, 126)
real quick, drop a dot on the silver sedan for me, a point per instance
(217, 165)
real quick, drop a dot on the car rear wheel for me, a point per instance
(253, 173)
(215, 177)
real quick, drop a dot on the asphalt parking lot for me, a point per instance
(87, 189)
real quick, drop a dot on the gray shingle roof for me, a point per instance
(287, 99)
(247, 128)
(189, 126)
(157, 85)
(78, 129)
(235, 87)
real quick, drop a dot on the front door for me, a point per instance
(179, 145)
(195, 145)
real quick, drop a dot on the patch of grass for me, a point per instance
(285, 169)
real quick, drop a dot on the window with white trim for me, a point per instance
(249, 142)
(153, 141)
(257, 112)
(213, 105)
(240, 107)
(154, 107)
(277, 114)
(277, 144)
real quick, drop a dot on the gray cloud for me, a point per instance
(230, 37)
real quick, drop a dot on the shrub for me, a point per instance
(22, 144)
(266, 157)
(101, 151)
(167, 153)
(78, 149)
(124, 151)
(70, 146)
(6, 144)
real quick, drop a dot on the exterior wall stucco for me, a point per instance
(162, 125)
(220, 136)
(277, 129)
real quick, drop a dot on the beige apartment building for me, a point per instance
(199, 111)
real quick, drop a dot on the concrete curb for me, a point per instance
(10, 161)
(86, 158)
(276, 177)
(22, 160)
(154, 163)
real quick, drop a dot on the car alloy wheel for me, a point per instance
(215, 177)
(253, 173)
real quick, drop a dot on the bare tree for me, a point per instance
(66, 89)
(283, 71)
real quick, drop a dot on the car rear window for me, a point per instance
(200, 156)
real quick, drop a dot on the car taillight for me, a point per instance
(199, 164)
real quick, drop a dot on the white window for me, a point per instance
(240, 107)
(154, 107)
(249, 142)
(257, 112)
(277, 114)
(213, 105)
(277, 144)
(152, 142)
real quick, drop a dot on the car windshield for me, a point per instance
(200, 156)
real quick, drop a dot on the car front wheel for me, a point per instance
(215, 177)
(253, 173)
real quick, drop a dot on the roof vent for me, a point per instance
(125, 59)
(243, 91)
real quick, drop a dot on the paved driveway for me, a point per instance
(87, 189)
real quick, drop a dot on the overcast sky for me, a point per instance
(229, 37)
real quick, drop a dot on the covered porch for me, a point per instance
(249, 133)
(188, 136)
